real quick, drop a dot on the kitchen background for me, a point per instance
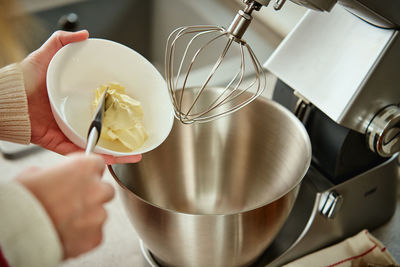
(145, 26)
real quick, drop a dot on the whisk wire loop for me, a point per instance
(191, 66)
(186, 93)
(210, 75)
(229, 87)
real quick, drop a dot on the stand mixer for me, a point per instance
(337, 69)
(345, 86)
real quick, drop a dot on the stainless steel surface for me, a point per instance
(279, 4)
(147, 255)
(383, 132)
(384, 14)
(342, 65)
(330, 204)
(221, 44)
(239, 24)
(216, 194)
(320, 5)
(92, 139)
(96, 124)
(368, 201)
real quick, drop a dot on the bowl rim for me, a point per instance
(99, 149)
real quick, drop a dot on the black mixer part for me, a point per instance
(338, 152)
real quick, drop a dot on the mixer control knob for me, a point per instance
(383, 132)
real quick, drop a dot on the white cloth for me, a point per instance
(360, 250)
(27, 234)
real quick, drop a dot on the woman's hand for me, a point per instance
(73, 195)
(44, 129)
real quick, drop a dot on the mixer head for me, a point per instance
(202, 58)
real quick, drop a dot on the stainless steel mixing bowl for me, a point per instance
(217, 194)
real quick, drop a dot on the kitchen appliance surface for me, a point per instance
(217, 194)
(338, 71)
(352, 182)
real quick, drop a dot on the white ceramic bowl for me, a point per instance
(78, 69)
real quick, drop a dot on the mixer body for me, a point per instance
(384, 14)
(348, 69)
(344, 73)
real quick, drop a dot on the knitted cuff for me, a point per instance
(15, 125)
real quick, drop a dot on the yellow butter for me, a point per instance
(122, 128)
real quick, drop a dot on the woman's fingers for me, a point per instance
(110, 160)
(56, 41)
(99, 193)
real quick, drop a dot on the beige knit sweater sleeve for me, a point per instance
(15, 125)
(27, 234)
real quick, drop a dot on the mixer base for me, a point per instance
(366, 201)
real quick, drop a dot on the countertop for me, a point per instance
(121, 246)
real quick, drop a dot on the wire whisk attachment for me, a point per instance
(201, 58)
